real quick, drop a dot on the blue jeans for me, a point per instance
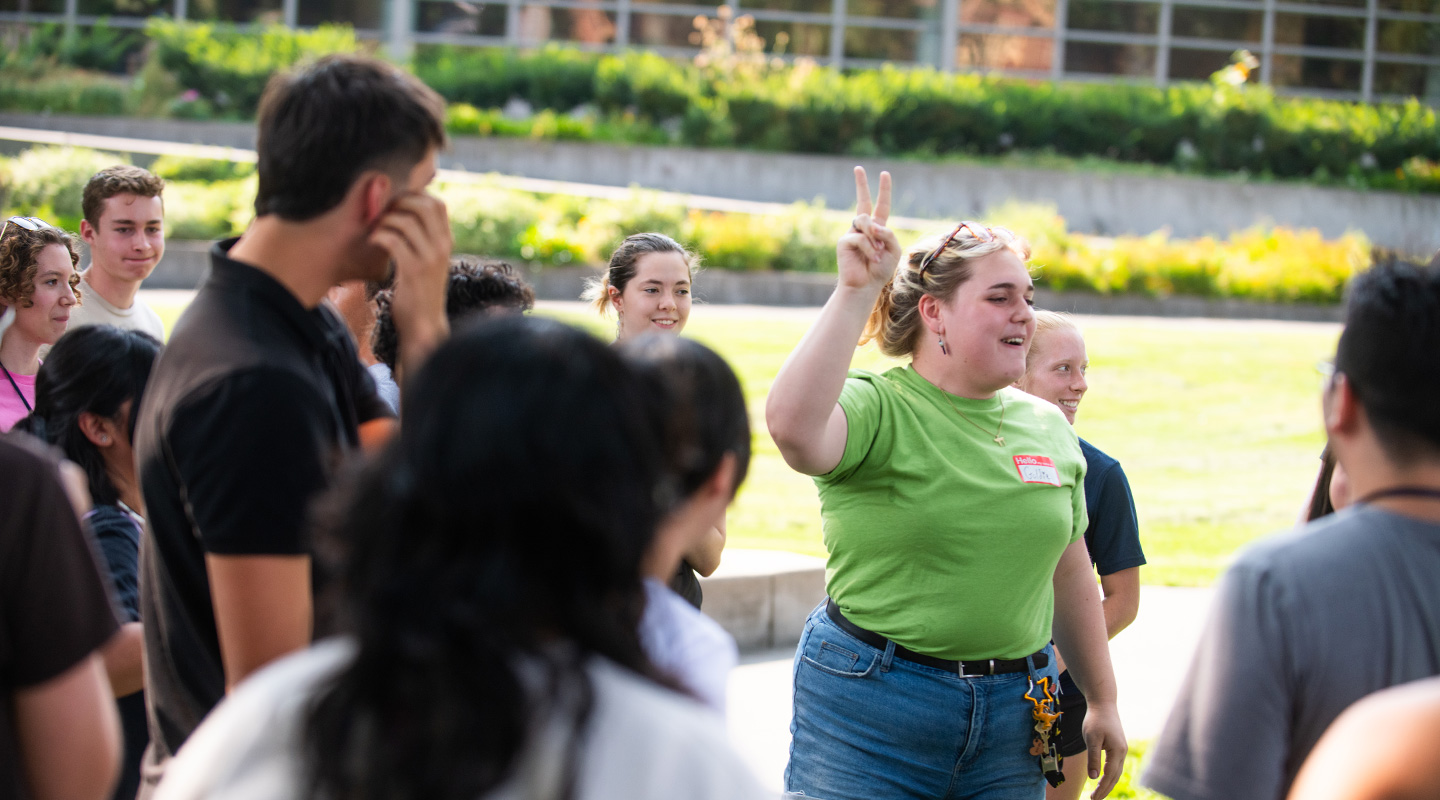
(869, 726)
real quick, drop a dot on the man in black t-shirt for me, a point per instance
(260, 394)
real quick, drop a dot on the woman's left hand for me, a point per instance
(1103, 734)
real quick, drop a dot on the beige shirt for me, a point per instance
(95, 310)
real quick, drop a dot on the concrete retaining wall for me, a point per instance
(1090, 202)
(186, 263)
(762, 597)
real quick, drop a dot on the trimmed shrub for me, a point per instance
(48, 181)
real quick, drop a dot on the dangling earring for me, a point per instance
(943, 349)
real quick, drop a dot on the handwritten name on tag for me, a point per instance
(1037, 469)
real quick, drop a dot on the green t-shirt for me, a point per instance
(940, 539)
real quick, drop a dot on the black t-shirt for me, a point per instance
(54, 604)
(252, 406)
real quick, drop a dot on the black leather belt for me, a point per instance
(965, 669)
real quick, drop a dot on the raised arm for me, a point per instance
(802, 410)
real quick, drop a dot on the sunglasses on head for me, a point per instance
(28, 223)
(980, 232)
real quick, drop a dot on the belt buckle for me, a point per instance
(965, 674)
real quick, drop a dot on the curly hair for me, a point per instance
(474, 286)
(19, 256)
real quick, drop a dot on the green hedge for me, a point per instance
(642, 97)
(1271, 264)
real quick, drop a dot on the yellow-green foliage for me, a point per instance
(1270, 264)
(47, 182)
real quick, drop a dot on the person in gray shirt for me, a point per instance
(1308, 622)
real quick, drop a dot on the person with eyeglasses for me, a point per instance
(37, 280)
(953, 510)
(1055, 371)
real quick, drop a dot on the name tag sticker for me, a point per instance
(1037, 469)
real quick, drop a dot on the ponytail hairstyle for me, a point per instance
(895, 320)
(622, 266)
(489, 552)
(1047, 322)
(704, 407)
(94, 370)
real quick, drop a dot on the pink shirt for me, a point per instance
(11, 409)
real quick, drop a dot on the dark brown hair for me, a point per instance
(322, 125)
(19, 253)
(622, 265)
(119, 179)
(474, 287)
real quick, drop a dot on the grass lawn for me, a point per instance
(1217, 425)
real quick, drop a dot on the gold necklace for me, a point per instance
(1000, 440)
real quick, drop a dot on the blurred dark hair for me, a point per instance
(474, 286)
(705, 414)
(1389, 353)
(500, 533)
(1320, 504)
(323, 124)
(93, 369)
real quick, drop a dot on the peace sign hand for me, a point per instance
(869, 252)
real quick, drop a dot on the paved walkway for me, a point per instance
(1150, 657)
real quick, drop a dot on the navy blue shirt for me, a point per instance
(1113, 536)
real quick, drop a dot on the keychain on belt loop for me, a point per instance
(1046, 714)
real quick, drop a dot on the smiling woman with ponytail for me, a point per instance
(953, 511)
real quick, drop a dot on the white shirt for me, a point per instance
(642, 742)
(688, 645)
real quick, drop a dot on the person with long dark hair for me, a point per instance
(86, 394)
(707, 434)
(489, 586)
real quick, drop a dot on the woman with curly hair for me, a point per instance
(37, 280)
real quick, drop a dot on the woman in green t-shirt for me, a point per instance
(953, 510)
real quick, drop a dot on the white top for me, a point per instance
(643, 742)
(687, 644)
(95, 310)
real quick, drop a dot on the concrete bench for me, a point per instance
(762, 597)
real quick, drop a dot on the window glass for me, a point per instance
(1187, 64)
(1100, 15)
(1110, 59)
(1316, 73)
(1418, 38)
(1014, 13)
(581, 25)
(997, 51)
(1217, 23)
